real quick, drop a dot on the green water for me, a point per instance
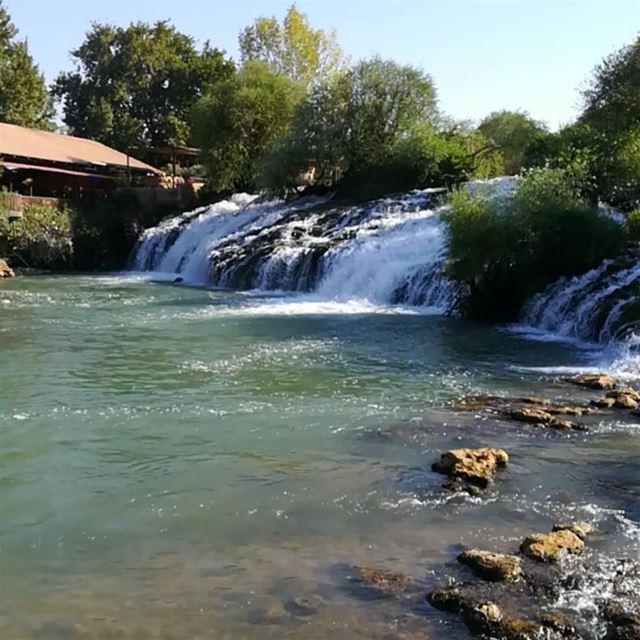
(181, 463)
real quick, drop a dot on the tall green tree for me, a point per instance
(135, 86)
(352, 121)
(24, 99)
(292, 48)
(238, 122)
(511, 132)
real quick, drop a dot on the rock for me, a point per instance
(274, 614)
(626, 391)
(623, 625)
(476, 466)
(551, 547)
(448, 599)
(566, 410)
(593, 381)
(624, 398)
(563, 424)
(483, 617)
(604, 403)
(581, 529)
(458, 485)
(534, 416)
(5, 270)
(381, 580)
(491, 566)
(300, 606)
(558, 622)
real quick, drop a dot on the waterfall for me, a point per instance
(590, 306)
(385, 252)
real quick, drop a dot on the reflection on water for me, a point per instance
(191, 464)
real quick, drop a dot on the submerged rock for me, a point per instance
(476, 466)
(5, 270)
(623, 625)
(551, 547)
(385, 582)
(491, 566)
(593, 381)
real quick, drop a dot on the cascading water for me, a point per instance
(388, 251)
(591, 306)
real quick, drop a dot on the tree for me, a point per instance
(351, 122)
(24, 99)
(292, 48)
(612, 98)
(512, 132)
(135, 86)
(239, 121)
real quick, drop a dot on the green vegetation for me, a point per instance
(511, 132)
(633, 224)
(350, 124)
(239, 121)
(292, 49)
(40, 239)
(24, 99)
(503, 251)
(135, 86)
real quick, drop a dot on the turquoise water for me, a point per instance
(183, 463)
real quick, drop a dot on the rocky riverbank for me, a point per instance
(517, 595)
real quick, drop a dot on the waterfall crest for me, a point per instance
(386, 252)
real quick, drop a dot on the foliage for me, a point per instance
(503, 251)
(612, 99)
(239, 121)
(40, 239)
(135, 86)
(512, 132)
(24, 99)
(104, 232)
(352, 123)
(292, 49)
(633, 224)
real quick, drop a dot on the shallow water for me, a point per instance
(183, 463)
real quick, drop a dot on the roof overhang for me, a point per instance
(18, 166)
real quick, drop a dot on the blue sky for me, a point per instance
(483, 55)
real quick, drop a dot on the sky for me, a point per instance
(484, 55)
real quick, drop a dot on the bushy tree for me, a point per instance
(135, 86)
(511, 132)
(239, 121)
(353, 121)
(291, 48)
(503, 251)
(24, 99)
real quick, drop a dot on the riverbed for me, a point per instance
(187, 463)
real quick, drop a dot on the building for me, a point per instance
(37, 163)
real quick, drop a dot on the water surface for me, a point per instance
(184, 463)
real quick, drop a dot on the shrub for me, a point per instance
(40, 239)
(502, 252)
(633, 224)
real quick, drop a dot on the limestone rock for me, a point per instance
(534, 416)
(381, 580)
(551, 547)
(448, 599)
(593, 381)
(5, 270)
(624, 398)
(581, 529)
(626, 391)
(477, 466)
(491, 566)
(604, 403)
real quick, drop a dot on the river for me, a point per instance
(191, 463)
